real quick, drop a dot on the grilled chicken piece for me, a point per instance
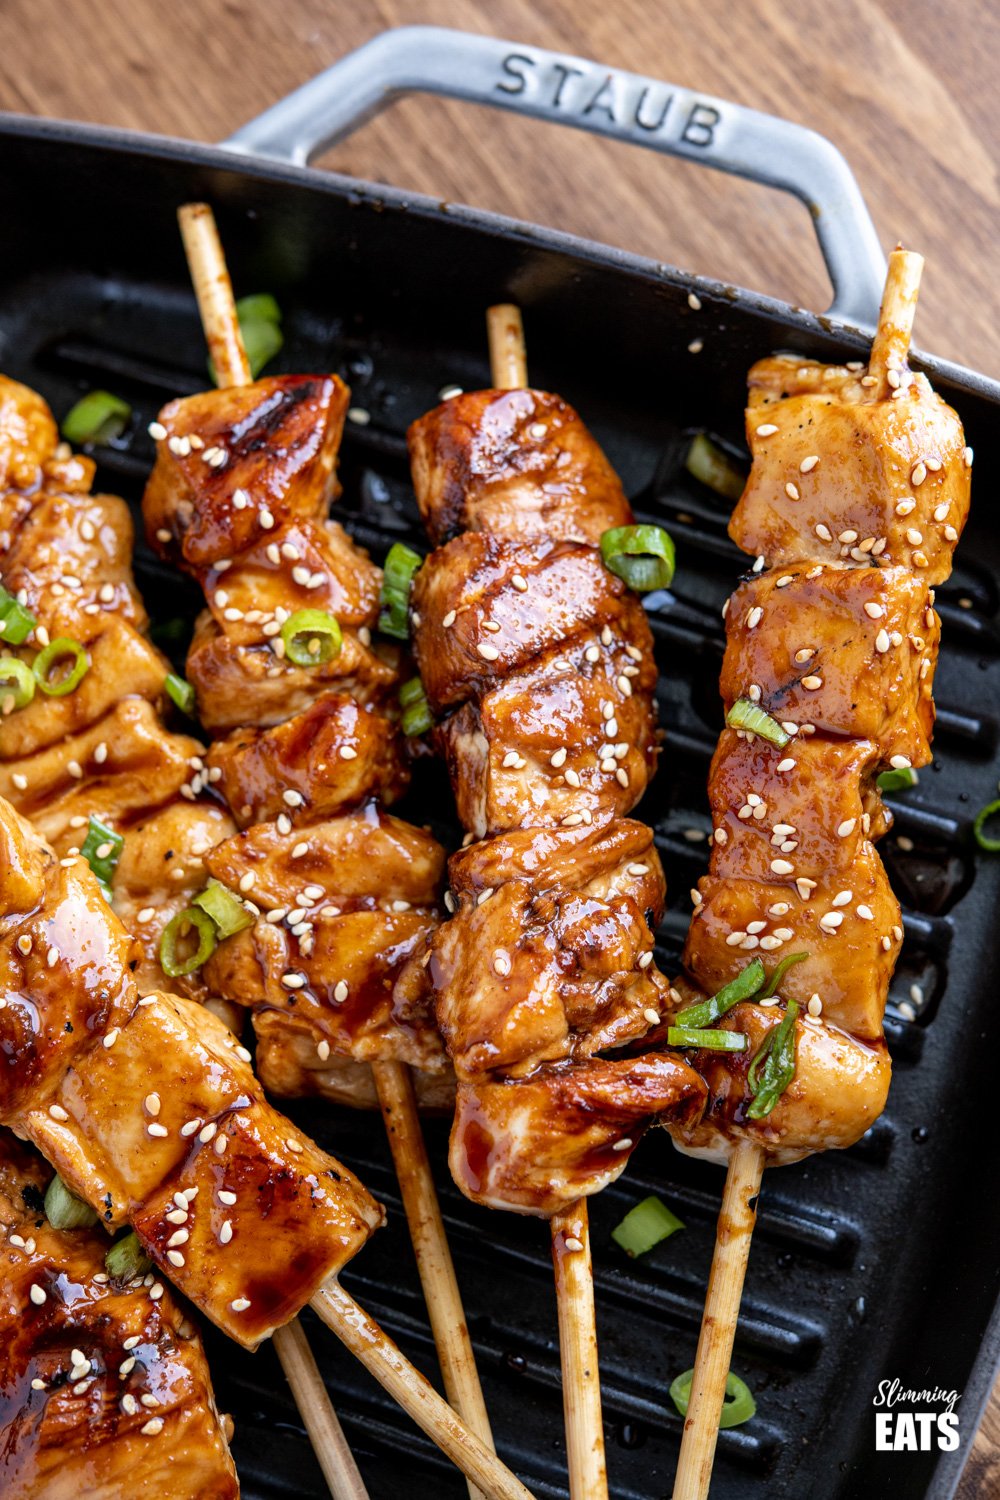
(543, 662)
(517, 464)
(847, 651)
(333, 755)
(838, 477)
(100, 749)
(31, 454)
(535, 1144)
(72, 1424)
(857, 505)
(343, 897)
(237, 462)
(150, 1112)
(348, 906)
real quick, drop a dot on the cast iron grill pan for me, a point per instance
(866, 1265)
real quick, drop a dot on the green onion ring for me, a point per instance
(991, 846)
(644, 556)
(181, 692)
(752, 718)
(897, 780)
(224, 907)
(738, 1407)
(711, 1041)
(16, 620)
(401, 566)
(707, 463)
(127, 1259)
(17, 682)
(309, 627)
(98, 417)
(65, 1211)
(644, 1226)
(172, 965)
(102, 850)
(416, 717)
(56, 651)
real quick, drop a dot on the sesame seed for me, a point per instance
(967, 457)
(292, 799)
(176, 1216)
(519, 582)
(900, 762)
(882, 642)
(207, 1132)
(188, 1129)
(904, 507)
(696, 346)
(266, 520)
(181, 1237)
(920, 560)
(36, 1294)
(815, 1005)
(808, 464)
(754, 617)
(771, 942)
(918, 474)
(823, 532)
(766, 429)
(293, 1145)
(58, 1113)
(154, 1128)
(694, 302)
(487, 652)
(914, 537)
(813, 683)
(323, 1049)
(340, 991)
(781, 867)
(644, 960)
(865, 913)
(846, 828)
(175, 1258)
(804, 654)
(156, 1291)
(559, 758)
(501, 962)
(874, 611)
(225, 1233)
(831, 920)
(153, 1427)
(111, 1037)
(240, 1304)
(843, 898)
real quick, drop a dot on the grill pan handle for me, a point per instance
(572, 91)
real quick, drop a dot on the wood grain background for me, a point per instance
(908, 92)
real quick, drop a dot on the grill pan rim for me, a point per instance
(959, 379)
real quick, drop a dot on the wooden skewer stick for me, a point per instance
(588, 1478)
(376, 1351)
(891, 344)
(325, 1432)
(736, 1218)
(214, 291)
(718, 1326)
(217, 307)
(396, 1097)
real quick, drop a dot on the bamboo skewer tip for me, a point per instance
(891, 344)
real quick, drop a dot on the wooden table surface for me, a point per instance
(906, 91)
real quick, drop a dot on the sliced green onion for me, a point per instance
(416, 716)
(64, 1211)
(773, 1067)
(181, 691)
(60, 650)
(260, 324)
(982, 818)
(746, 984)
(897, 781)
(643, 556)
(127, 1259)
(738, 1407)
(16, 622)
(712, 1041)
(17, 683)
(710, 465)
(224, 907)
(752, 718)
(311, 637)
(102, 850)
(172, 964)
(645, 1226)
(98, 417)
(779, 974)
(401, 565)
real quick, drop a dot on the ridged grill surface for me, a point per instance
(867, 1264)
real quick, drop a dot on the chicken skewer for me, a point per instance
(542, 659)
(413, 915)
(148, 1113)
(134, 773)
(106, 1393)
(857, 496)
